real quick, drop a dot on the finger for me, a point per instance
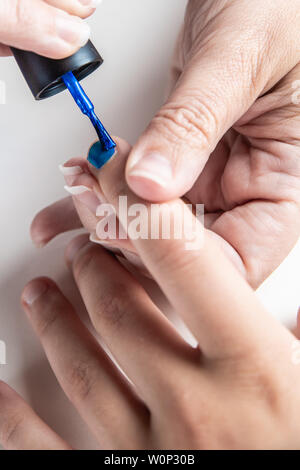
(141, 339)
(5, 51)
(215, 302)
(177, 64)
(86, 374)
(217, 86)
(262, 233)
(82, 8)
(58, 218)
(297, 330)
(84, 188)
(89, 201)
(21, 428)
(36, 26)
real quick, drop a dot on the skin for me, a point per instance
(227, 393)
(239, 389)
(33, 25)
(228, 135)
(230, 131)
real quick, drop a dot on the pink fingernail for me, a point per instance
(70, 173)
(33, 291)
(86, 196)
(70, 170)
(77, 190)
(152, 167)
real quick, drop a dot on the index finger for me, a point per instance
(214, 300)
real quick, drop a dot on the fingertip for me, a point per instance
(151, 176)
(97, 157)
(148, 189)
(97, 162)
(34, 290)
(37, 231)
(82, 8)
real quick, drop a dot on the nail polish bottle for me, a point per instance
(47, 77)
(43, 75)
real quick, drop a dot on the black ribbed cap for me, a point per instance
(43, 75)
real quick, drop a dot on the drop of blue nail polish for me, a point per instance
(99, 157)
(102, 151)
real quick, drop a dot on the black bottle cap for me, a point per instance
(43, 75)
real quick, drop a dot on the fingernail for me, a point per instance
(98, 157)
(86, 196)
(33, 291)
(154, 167)
(70, 170)
(72, 29)
(77, 190)
(90, 3)
(74, 247)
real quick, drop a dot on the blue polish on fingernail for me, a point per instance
(97, 157)
(102, 151)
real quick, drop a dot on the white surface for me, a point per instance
(136, 38)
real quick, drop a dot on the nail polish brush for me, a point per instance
(48, 77)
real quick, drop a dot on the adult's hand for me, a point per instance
(228, 135)
(238, 390)
(53, 28)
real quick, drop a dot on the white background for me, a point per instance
(136, 39)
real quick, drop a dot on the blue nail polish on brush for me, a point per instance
(48, 77)
(103, 150)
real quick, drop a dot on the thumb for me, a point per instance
(220, 82)
(36, 26)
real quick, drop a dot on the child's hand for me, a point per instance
(52, 28)
(240, 389)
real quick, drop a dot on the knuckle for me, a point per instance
(265, 388)
(112, 302)
(83, 262)
(254, 376)
(193, 121)
(45, 321)
(80, 379)
(21, 13)
(195, 423)
(10, 429)
(248, 57)
(112, 306)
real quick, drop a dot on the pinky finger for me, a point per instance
(21, 428)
